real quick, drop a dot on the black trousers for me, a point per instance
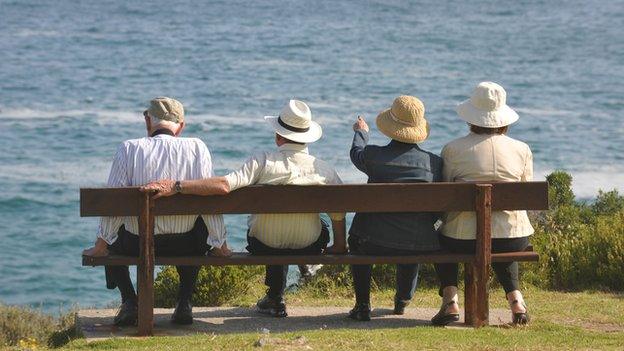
(406, 274)
(275, 277)
(506, 272)
(184, 244)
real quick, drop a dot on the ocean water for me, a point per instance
(75, 76)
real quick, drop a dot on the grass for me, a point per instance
(561, 321)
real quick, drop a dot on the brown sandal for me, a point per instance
(442, 318)
(520, 318)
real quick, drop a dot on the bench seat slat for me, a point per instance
(247, 259)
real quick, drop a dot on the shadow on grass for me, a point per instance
(245, 320)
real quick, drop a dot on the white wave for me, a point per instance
(545, 112)
(25, 33)
(91, 170)
(109, 117)
(228, 120)
(586, 183)
(28, 113)
(552, 112)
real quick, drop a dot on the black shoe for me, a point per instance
(442, 318)
(520, 318)
(361, 312)
(183, 313)
(128, 314)
(273, 307)
(399, 306)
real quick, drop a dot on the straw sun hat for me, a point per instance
(404, 121)
(295, 123)
(487, 107)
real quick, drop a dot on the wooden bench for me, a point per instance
(401, 197)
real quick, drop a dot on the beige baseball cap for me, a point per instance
(167, 109)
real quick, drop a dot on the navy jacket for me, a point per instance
(396, 162)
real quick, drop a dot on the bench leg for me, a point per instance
(470, 294)
(145, 284)
(482, 309)
(476, 296)
(145, 268)
(478, 273)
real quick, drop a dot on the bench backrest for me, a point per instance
(400, 197)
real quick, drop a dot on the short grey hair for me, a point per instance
(156, 122)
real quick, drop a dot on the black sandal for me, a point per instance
(520, 318)
(442, 318)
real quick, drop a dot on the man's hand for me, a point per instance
(222, 251)
(99, 249)
(164, 187)
(336, 249)
(360, 124)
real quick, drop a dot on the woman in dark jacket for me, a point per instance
(402, 160)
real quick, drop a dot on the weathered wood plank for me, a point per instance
(145, 269)
(470, 294)
(110, 202)
(520, 196)
(436, 197)
(247, 259)
(483, 254)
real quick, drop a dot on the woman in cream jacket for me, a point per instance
(485, 154)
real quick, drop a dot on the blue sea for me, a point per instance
(76, 75)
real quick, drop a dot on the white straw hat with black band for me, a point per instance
(487, 107)
(295, 123)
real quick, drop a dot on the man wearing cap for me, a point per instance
(402, 160)
(291, 163)
(139, 161)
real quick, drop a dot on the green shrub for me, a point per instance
(334, 277)
(329, 280)
(608, 203)
(215, 285)
(30, 329)
(581, 246)
(560, 189)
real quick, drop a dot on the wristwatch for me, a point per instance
(177, 187)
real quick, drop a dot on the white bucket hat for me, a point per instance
(295, 123)
(487, 107)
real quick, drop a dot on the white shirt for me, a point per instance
(290, 164)
(482, 157)
(140, 161)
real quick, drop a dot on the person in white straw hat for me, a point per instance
(401, 160)
(295, 123)
(485, 154)
(291, 163)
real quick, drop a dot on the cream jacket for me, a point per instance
(477, 157)
(290, 164)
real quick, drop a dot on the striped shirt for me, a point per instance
(140, 161)
(290, 164)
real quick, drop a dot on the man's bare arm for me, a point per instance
(100, 248)
(339, 229)
(210, 186)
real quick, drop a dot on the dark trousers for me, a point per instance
(185, 244)
(506, 272)
(406, 274)
(275, 278)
